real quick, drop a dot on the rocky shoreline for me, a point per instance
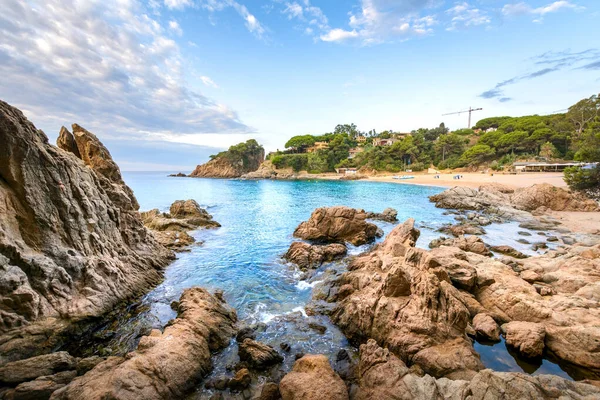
(74, 247)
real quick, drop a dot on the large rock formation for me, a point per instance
(171, 229)
(338, 225)
(307, 256)
(233, 163)
(165, 365)
(383, 376)
(513, 203)
(312, 378)
(72, 244)
(403, 298)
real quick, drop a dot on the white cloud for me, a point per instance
(338, 35)
(293, 10)
(251, 22)
(178, 4)
(522, 8)
(464, 16)
(174, 26)
(382, 20)
(208, 82)
(106, 65)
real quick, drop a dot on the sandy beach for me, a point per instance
(474, 180)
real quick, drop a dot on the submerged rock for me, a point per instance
(338, 225)
(165, 365)
(258, 355)
(72, 244)
(307, 256)
(388, 215)
(312, 378)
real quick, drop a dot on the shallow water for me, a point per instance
(243, 257)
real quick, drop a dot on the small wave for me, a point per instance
(303, 285)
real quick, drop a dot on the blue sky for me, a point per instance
(165, 83)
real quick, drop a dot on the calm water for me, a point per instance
(243, 257)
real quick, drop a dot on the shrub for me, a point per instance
(580, 179)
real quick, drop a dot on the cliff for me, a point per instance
(72, 244)
(233, 163)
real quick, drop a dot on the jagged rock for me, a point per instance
(337, 225)
(66, 141)
(72, 244)
(241, 380)
(237, 161)
(43, 387)
(171, 229)
(308, 256)
(509, 251)
(463, 229)
(312, 378)
(383, 376)
(486, 327)
(86, 364)
(178, 175)
(526, 337)
(31, 368)
(388, 215)
(258, 355)
(472, 244)
(412, 308)
(165, 365)
(270, 391)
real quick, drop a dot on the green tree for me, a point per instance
(317, 162)
(299, 142)
(583, 178)
(548, 150)
(449, 145)
(477, 154)
(347, 129)
(583, 113)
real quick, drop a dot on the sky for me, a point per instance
(166, 83)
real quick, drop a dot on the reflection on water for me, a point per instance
(500, 357)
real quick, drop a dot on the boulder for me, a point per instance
(312, 378)
(403, 298)
(337, 225)
(388, 215)
(508, 251)
(166, 364)
(486, 327)
(551, 197)
(31, 368)
(307, 256)
(240, 381)
(526, 337)
(258, 355)
(270, 391)
(72, 244)
(43, 387)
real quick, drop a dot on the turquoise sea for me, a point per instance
(243, 257)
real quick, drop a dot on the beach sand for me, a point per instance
(475, 180)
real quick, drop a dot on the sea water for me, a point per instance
(243, 258)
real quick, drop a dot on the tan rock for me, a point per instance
(232, 163)
(509, 251)
(164, 366)
(486, 327)
(31, 368)
(337, 225)
(526, 337)
(312, 378)
(258, 355)
(308, 256)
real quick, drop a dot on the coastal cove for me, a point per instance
(243, 258)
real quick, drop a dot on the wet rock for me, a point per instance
(337, 225)
(43, 387)
(258, 355)
(524, 233)
(299, 355)
(344, 366)
(526, 337)
(388, 215)
(312, 378)
(72, 244)
(246, 332)
(285, 347)
(552, 239)
(270, 391)
(508, 251)
(167, 364)
(486, 327)
(539, 246)
(523, 241)
(86, 364)
(31, 368)
(241, 380)
(320, 328)
(308, 256)
(463, 229)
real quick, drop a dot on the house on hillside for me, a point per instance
(491, 129)
(318, 146)
(477, 131)
(346, 171)
(401, 135)
(361, 139)
(353, 152)
(384, 142)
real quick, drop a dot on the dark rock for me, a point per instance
(258, 355)
(523, 233)
(388, 215)
(86, 364)
(285, 347)
(240, 381)
(509, 251)
(246, 332)
(317, 327)
(270, 391)
(299, 355)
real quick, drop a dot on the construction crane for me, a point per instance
(470, 110)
